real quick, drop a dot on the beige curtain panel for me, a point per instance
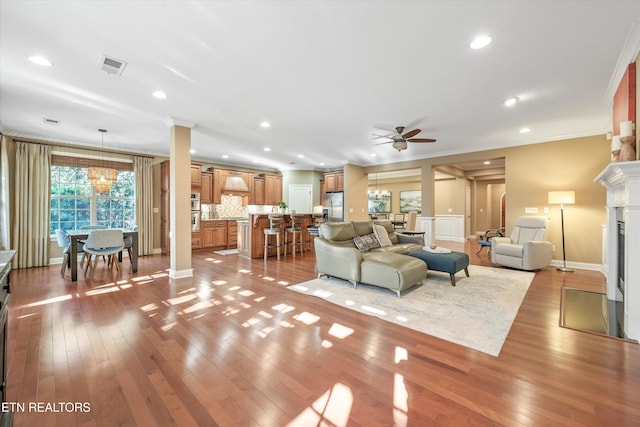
(30, 236)
(144, 203)
(5, 243)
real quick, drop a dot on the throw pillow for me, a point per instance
(367, 242)
(382, 235)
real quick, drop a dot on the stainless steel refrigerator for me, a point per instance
(333, 206)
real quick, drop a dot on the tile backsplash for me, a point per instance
(232, 207)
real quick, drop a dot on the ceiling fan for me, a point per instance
(399, 140)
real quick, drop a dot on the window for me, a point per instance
(74, 203)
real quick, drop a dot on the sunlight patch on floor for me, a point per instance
(331, 409)
(400, 397)
(340, 331)
(198, 306)
(306, 318)
(283, 308)
(48, 301)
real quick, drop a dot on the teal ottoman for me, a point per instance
(448, 263)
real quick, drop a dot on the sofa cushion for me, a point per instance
(337, 231)
(362, 227)
(367, 242)
(382, 235)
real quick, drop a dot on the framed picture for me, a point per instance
(380, 202)
(411, 201)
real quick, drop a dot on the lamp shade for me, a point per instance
(562, 197)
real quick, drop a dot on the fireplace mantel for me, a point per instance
(622, 181)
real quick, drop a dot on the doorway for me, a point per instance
(300, 198)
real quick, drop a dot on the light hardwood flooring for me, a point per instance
(232, 347)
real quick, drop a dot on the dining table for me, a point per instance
(78, 235)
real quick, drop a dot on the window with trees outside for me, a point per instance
(74, 203)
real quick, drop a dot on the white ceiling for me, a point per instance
(323, 73)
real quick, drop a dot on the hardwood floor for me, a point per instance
(232, 347)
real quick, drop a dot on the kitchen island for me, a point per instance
(251, 234)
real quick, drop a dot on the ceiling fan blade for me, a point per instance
(421, 140)
(411, 133)
(376, 136)
(381, 143)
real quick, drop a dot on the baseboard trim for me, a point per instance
(579, 265)
(180, 274)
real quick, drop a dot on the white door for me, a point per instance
(300, 198)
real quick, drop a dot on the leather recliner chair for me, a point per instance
(527, 248)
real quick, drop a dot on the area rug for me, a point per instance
(476, 313)
(226, 252)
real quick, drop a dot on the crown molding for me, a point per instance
(629, 54)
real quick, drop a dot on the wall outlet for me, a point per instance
(350, 210)
(531, 210)
(449, 210)
(545, 210)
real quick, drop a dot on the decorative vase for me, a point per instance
(282, 210)
(627, 153)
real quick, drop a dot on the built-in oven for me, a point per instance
(195, 201)
(195, 221)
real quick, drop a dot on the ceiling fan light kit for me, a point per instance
(399, 140)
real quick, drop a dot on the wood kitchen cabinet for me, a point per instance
(196, 239)
(257, 195)
(206, 228)
(196, 175)
(206, 189)
(232, 234)
(220, 178)
(334, 181)
(272, 189)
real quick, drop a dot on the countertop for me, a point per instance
(5, 259)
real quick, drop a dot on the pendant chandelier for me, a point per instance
(102, 178)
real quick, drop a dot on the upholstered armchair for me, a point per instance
(527, 248)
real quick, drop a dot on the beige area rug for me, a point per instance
(476, 313)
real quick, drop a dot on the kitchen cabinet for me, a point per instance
(196, 239)
(232, 234)
(257, 195)
(206, 188)
(196, 175)
(220, 233)
(272, 189)
(5, 291)
(220, 180)
(206, 228)
(333, 181)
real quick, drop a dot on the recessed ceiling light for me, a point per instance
(486, 162)
(40, 60)
(480, 42)
(265, 124)
(374, 155)
(255, 161)
(160, 94)
(267, 149)
(525, 130)
(321, 163)
(224, 156)
(509, 102)
(301, 156)
(192, 151)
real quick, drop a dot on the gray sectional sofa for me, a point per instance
(338, 255)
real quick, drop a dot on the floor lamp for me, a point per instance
(562, 198)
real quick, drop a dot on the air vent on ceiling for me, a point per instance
(112, 65)
(51, 122)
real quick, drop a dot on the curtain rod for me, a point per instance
(80, 147)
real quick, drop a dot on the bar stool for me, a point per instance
(295, 228)
(275, 224)
(313, 230)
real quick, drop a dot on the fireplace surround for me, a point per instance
(622, 181)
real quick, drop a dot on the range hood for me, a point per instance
(235, 185)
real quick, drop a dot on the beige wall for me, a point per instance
(449, 197)
(531, 172)
(355, 193)
(395, 186)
